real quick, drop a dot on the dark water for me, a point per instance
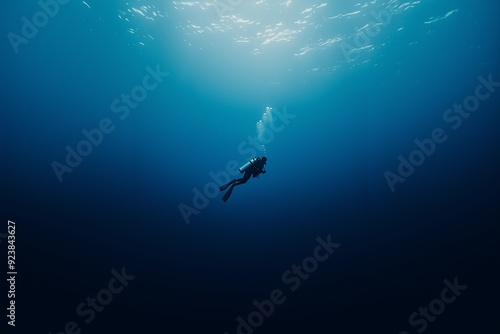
(119, 118)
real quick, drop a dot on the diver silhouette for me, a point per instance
(254, 168)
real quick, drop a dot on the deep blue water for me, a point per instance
(179, 91)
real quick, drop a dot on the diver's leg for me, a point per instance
(244, 179)
(235, 183)
(228, 194)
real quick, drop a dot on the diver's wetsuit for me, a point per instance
(255, 170)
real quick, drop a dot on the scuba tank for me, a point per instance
(245, 167)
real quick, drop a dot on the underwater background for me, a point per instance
(119, 120)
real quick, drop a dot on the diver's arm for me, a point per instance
(257, 172)
(261, 168)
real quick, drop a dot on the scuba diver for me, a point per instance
(254, 168)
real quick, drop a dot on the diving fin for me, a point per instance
(224, 187)
(228, 194)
